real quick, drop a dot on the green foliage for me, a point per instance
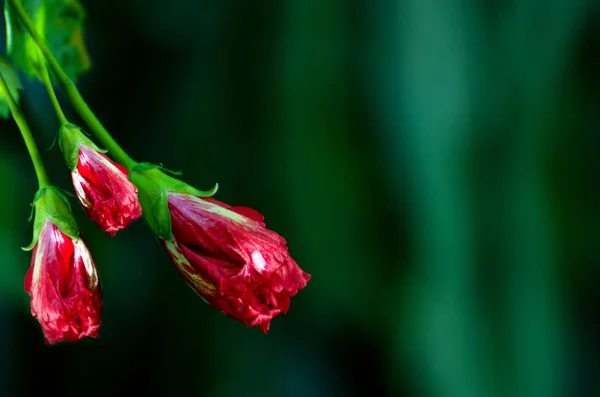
(14, 85)
(60, 23)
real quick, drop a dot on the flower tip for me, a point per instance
(29, 247)
(307, 278)
(204, 193)
(69, 334)
(264, 327)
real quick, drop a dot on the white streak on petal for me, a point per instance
(82, 251)
(39, 256)
(259, 261)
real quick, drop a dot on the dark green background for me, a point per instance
(433, 164)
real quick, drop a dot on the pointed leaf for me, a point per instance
(60, 23)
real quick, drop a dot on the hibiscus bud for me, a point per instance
(102, 186)
(226, 254)
(62, 281)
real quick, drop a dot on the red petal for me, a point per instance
(104, 190)
(251, 273)
(65, 293)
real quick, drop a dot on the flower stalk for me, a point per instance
(62, 281)
(225, 253)
(73, 94)
(34, 153)
(51, 93)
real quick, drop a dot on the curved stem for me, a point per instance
(34, 153)
(48, 84)
(73, 94)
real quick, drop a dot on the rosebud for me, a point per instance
(226, 254)
(102, 186)
(62, 281)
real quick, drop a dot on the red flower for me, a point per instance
(63, 284)
(228, 256)
(104, 191)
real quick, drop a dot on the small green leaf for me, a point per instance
(146, 166)
(14, 85)
(60, 23)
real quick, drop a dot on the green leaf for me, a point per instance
(14, 85)
(60, 23)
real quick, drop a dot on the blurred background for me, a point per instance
(433, 164)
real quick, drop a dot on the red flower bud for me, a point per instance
(228, 257)
(104, 191)
(63, 284)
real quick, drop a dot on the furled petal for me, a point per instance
(228, 256)
(63, 284)
(104, 191)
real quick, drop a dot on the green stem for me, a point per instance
(48, 84)
(73, 94)
(34, 153)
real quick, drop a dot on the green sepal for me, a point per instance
(170, 172)
(153, 192)
(145, 166)
(153, 196)
(65, 194)
(70, 137)
(37, 196)
(54, 142)
(199, 193)
(177, 186)
(51, 205)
